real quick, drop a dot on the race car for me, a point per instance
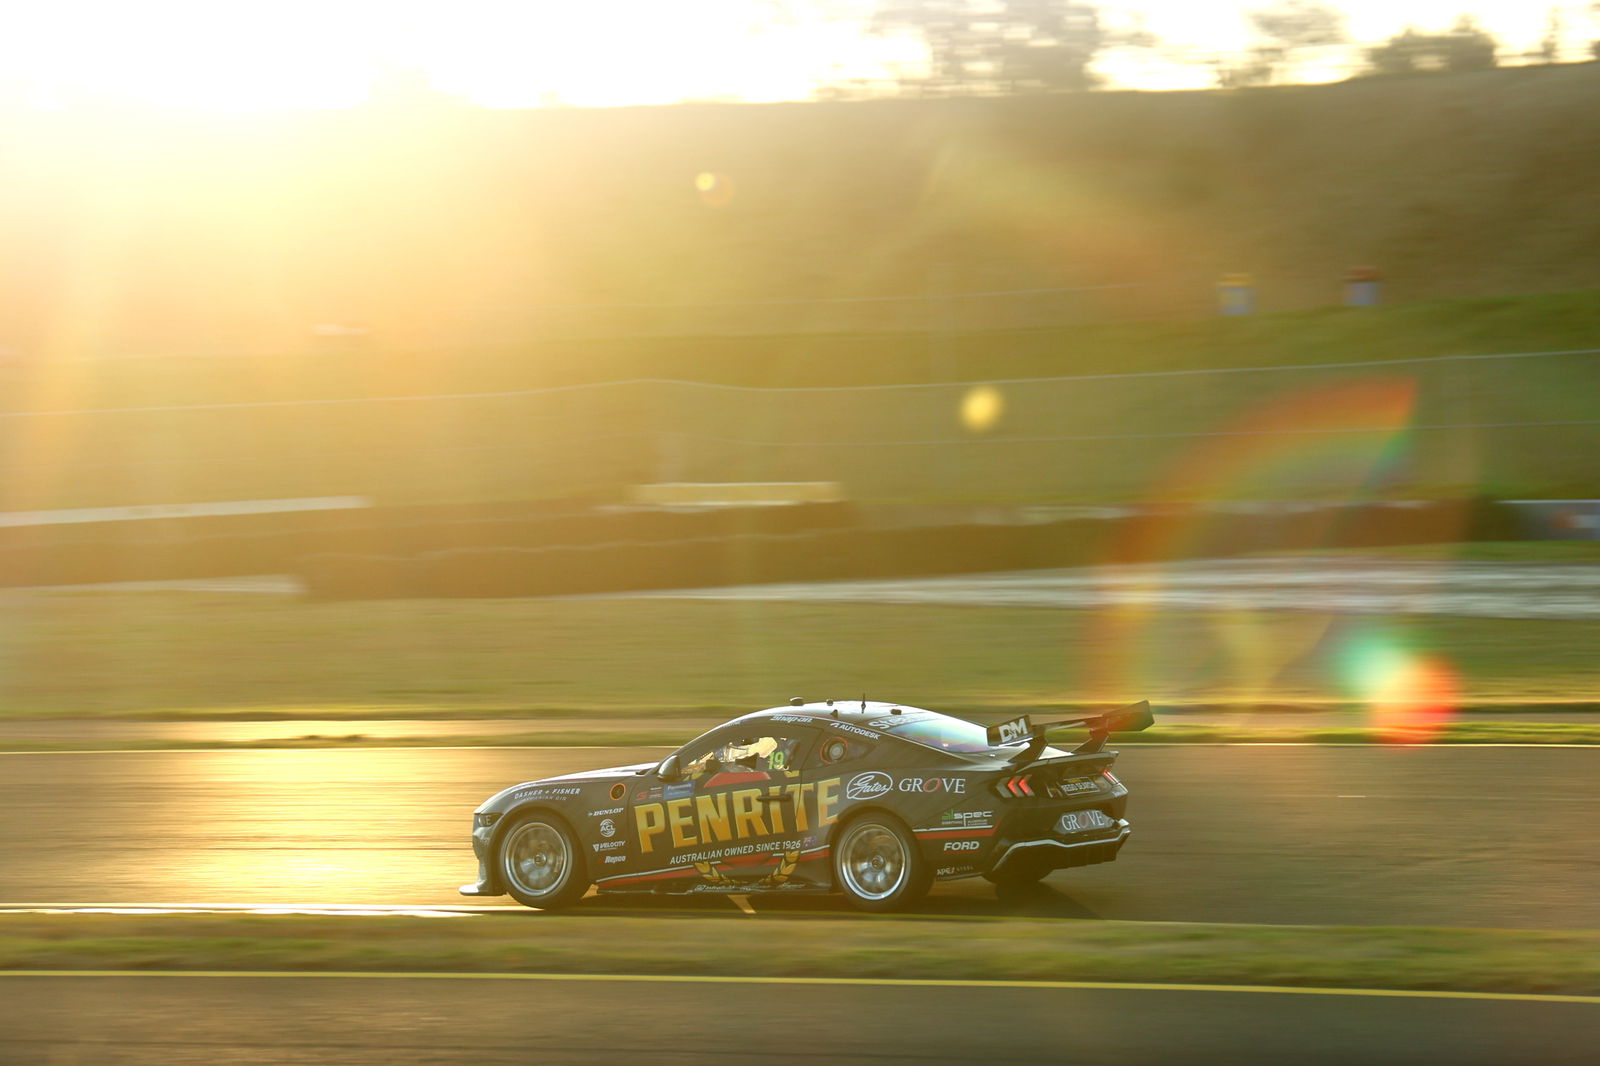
(874, 800)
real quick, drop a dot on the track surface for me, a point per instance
(175, 1021)
(1360, 584)
(1466, 836)
(1349, 584)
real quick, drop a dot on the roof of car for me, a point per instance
(853, 711)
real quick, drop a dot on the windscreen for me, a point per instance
(937, 731)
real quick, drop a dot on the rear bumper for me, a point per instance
(1050, 854)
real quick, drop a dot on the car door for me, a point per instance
(729, 821)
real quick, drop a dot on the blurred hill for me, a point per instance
(445, 226)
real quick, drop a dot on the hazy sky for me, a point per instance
(250, 55)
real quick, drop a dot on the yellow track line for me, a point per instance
(878, 982)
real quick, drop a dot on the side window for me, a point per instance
(836, 749)
(753, 750)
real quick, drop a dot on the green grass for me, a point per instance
(1484, 960)
(1124, 438)
(566, 665)
(468, 254)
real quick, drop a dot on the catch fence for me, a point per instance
(1521, 424)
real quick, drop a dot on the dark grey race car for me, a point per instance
(870, 799)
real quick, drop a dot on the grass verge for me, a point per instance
(186, 655)
(1495, 960)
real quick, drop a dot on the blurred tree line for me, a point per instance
(1012, 46)
(1007, 46)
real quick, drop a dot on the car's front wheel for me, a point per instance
(877, 864)
(540, 863)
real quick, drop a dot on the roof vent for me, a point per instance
(894, 710)
(797, 701)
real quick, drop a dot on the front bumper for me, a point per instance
(1052, 854)
(483, 847)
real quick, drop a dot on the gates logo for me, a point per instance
(870, 785)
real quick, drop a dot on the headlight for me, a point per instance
(483, 820)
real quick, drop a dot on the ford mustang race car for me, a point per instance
(873, 800)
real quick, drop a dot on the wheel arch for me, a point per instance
(517, 813)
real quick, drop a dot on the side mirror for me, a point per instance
(669, 769)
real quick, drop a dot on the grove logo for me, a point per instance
(869, 785)
(956, 785)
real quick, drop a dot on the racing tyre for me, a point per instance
(877, 864)
(541, 864)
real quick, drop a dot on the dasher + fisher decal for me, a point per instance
(869, 799)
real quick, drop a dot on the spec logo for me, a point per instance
(961, 845)
(608, 828)
(869, 785)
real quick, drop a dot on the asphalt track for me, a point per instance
(1366, 583)
(1347, 584)
(1450, 835)
(174, 1021)
(1434, 836)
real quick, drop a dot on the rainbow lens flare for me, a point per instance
(1410, 697)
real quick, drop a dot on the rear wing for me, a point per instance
(1129, 719)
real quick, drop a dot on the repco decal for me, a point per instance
(870, 785)
(721, 817)
(953, 785)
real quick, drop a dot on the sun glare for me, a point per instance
(248, 55)
(212, 55)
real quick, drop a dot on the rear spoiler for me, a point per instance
(1129, 719)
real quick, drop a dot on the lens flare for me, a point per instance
(1340, 441)
(1410, 697)
(981, 408)
(716, 190)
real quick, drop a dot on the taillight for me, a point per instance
(1016, 787)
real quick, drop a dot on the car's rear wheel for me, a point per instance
(877, 864)
(540, 863)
